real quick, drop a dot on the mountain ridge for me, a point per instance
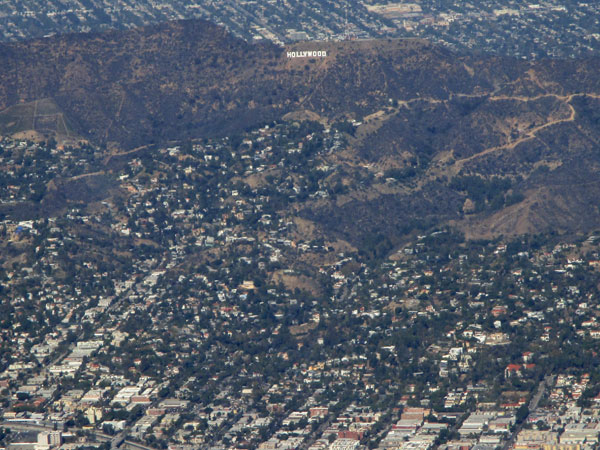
(472, 141)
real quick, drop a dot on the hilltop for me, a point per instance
(488, 144)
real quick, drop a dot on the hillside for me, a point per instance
(490, 145)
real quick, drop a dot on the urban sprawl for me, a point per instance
(177, 298)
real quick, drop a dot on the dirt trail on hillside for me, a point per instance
(455, 167)
(531, 134)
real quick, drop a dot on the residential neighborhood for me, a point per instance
(189, 303)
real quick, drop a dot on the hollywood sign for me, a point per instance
(308, 54)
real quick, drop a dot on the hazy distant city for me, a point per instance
(509, 27)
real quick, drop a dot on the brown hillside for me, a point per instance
(437, 127)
